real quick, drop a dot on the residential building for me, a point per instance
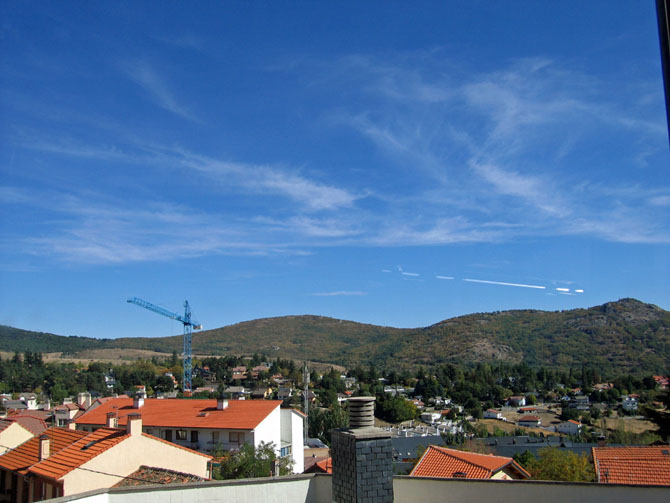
(449, 463)
(579, 402)
(431, 417)
(569, 427)
(261, 393)
(237, 392)
(629, 403)
(284, 393)
(13, 433)
(206, 425)
(529, 421)
(65, 413)
(62, 461)
(492, 414)
(649, 465)
(663, 382)
(516, 401)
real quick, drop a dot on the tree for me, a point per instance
(661, 417)
(559, 464)
(253, 462)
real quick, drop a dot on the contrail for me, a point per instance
(504, 284)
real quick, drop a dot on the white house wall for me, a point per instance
(292, 424)
(13, 436)
(269, 430)
(121, 460)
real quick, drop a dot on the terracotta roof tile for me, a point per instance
(25, 455)
(325, 465)
(632, 465)
(448, 463)
(177, 413)
(34, 425)
(78, 453)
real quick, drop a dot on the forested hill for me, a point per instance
(626, 336)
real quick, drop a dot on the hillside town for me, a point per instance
(512, 422)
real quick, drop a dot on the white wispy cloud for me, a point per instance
(157, 88)
(510, 139)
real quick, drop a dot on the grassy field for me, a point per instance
(509, 427)
(121, 356)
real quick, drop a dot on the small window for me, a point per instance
(194, 436)
(215, 437)
(181, 434)
(285, 451)
(236, 437)
(168, 435)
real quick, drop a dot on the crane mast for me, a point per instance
(189, 325)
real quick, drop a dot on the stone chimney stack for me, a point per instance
(221, 403)
(112, 420)
(45, 447)
(134, 426)
(362, 457)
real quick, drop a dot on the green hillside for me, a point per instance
(626, 336)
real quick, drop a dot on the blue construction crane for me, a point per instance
(189, 325)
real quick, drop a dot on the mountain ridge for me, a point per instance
(625, 335)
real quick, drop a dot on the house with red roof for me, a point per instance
(648, 465)
(442, 462)
(208, 425)
(13, 433)
(529, 421)
(62, 461)
(492, 414)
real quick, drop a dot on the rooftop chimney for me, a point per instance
(221, 403)
(45, 447)
(134, 426)
(138, 401)
(112, 420)
(84, 400)
(362, 457)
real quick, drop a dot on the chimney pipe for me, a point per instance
(221, 403)
(134, 426)
(45, 447)
(112, 420)
(362, 457)
(138, 401)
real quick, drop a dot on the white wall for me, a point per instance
(412, 489)
(292, 424)
(310, 488)
(126, 457)
(13, 436)
(269, 430)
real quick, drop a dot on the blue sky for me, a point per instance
(384, 162)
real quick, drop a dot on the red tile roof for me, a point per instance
(447, 463)
(78, 453)
(45, 415)
(34, 425)
(325, 465)
(632, 465)
(69, 449)
(176, 413)
(529, 419)
(26, 455)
